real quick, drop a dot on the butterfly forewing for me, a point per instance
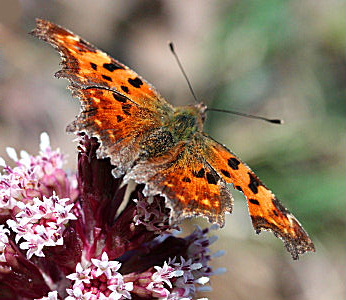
(118, 106)
(86, 66)
(119, 124)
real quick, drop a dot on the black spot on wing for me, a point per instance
(254, 183)
(239, 188)
(119, 98)
(200, 173)
(137, 82)
(125, 89)
(234, 163)
(93, 66)
(120, 118)
(186, 179)
(112, 67)
(211, 178)
(254, 201)
(226, 173)
(107, 78)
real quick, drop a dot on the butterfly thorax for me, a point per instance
(186, 121)
(179, 127)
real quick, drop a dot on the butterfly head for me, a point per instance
(202, 109)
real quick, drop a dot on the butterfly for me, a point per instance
(161, 146)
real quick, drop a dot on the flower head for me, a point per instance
(34, 176)
(100, 279)
(90, 235)
(41, 223)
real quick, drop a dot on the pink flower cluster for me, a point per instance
(88, 236)
(41, 223)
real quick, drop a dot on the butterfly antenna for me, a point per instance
(274, 121)
(171, 47)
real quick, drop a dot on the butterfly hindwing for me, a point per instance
(187, 181)
(266, 211)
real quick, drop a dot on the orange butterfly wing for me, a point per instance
(118, 106)
(189, 184)
(85, 66)
(265, 209)
(120, 125)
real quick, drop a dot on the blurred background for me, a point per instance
(279, 59)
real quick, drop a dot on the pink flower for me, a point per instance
(91, 236)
